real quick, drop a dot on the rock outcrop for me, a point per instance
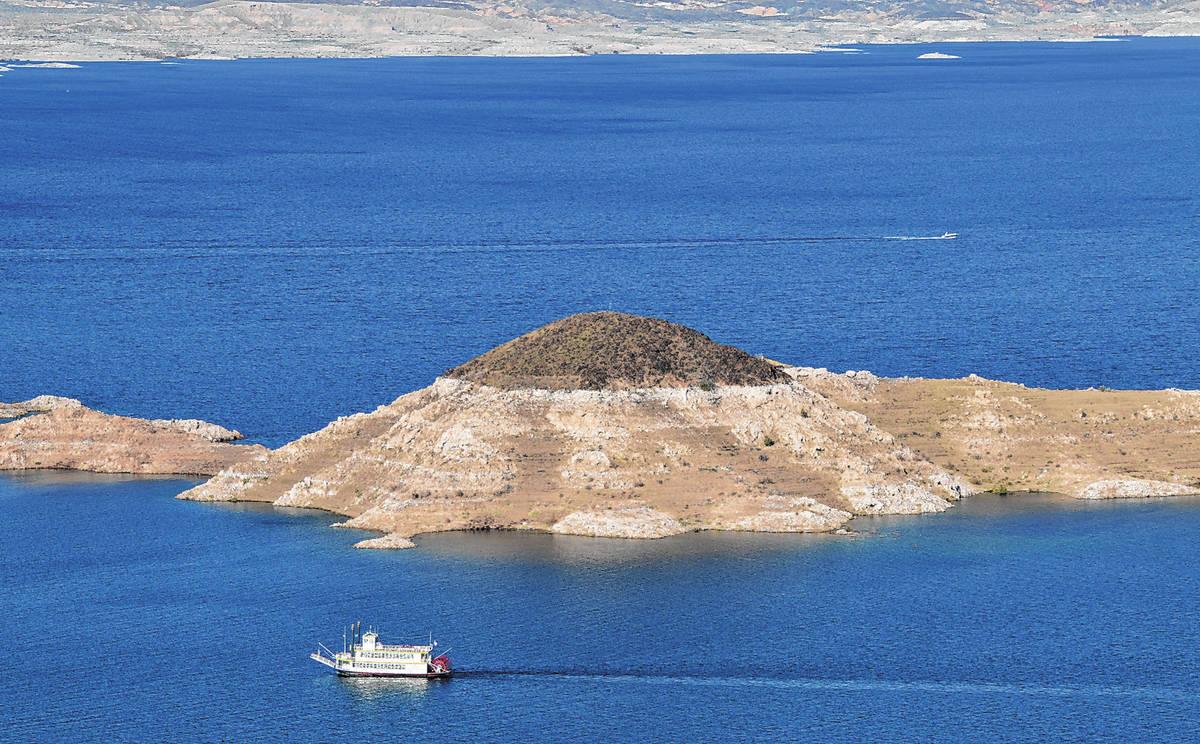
(40, 404)
(202, 429)
(800, 514)
(62, 433)
(387, 542)
(637, 521)
(1134, 489)
(600, 424)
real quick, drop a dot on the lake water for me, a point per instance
(270, 244)
(131, 616)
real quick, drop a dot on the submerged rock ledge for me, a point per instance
(612, 425)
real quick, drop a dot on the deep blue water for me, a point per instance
(271, 244)
(131, 616)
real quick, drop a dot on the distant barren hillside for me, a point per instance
(595, 351)
(117, 29)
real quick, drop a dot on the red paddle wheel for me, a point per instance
(440, 665)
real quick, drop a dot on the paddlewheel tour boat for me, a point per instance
(364, 655)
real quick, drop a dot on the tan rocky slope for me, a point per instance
(54, 432)
(1002, 436)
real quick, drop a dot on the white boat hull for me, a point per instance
(351, 669)
(427, 675)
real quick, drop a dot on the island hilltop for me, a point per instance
(609, 424)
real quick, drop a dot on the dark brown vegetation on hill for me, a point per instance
(592, 351)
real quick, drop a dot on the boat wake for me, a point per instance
(943, 236)
(851, 685)
(194, 249)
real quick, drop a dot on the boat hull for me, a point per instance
(428, 675)
(345, 669)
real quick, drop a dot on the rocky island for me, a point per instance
(609, 424)
(55, 432)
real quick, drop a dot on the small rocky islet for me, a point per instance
(615, 425)
(54, 432)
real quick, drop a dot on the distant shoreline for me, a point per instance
(9, 65)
